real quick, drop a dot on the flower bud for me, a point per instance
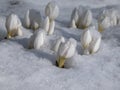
(86, 38)
(52, 10)
(75, 17)
(13, 25)
(86, 19)
(58, 43)
(107, 19)
(95, 45)
(66, 50)
(37, 39)
(91, 40)
(103, 24)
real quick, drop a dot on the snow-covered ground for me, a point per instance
(24, 69)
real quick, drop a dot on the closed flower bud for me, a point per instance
(95, 45)
(75, 17)
(86, 38)
(36, 41)
(66, 50)
(13, 26)
(52, 10)
(91, 40)
(58, 43)
(86, 19)
(103, 24)
(107, 19)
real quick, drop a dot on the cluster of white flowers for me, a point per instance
(13, 26)
(108, 18)
(38, 38)
(90, 40)
(81, 17)
(52, 12)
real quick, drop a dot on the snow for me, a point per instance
(29, 69)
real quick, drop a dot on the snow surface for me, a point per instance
(24, 69)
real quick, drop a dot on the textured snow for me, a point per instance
(29, 69)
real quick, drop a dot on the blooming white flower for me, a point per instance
(32, 19)
(58, 43)
(52, 10)
(37, 39)
(66, 50)
(13, 26)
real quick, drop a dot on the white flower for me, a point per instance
(86, 19)
(13, 26)
(58, 43)
(107, 19)
(95, 45)
(103, 24)
(66, 50)
(49, 26)
(32, 19)
(52, 10)
(74, 18)
(82, 17)
(86, 38)
(90, 40)
(37, 39)
(112, 14)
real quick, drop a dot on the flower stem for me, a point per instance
(60, 62)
